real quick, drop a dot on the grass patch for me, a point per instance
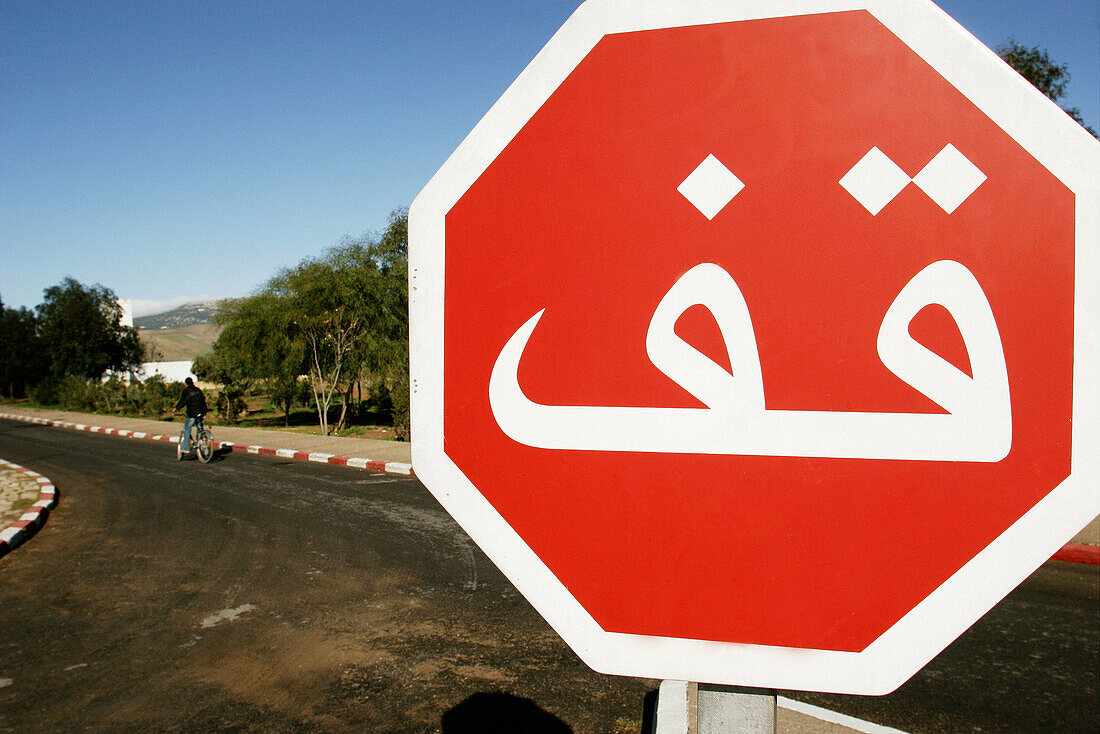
(366, 422)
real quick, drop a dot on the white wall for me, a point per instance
(172, 371)
(127, 306)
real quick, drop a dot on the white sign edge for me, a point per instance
(1037, 124)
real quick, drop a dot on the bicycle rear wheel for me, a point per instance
(204, 446)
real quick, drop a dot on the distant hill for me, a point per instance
(182, 333)
(177, 345)
(200, 313)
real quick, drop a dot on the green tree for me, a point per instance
(261, 329)
(22, 362)
(339, 319)
(390, 355)
(330, 299)
(81, 331)
(1049, 77)
(382, 355)
(229, 369)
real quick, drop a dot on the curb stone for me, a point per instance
(1079, 553)
(34, 518)
(390, 467)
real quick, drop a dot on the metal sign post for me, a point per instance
(694, 708)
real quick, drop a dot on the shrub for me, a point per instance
(230, 402)
(45, 392)
(75, 394)
(159, 397)
(399, 397)
(304, 394)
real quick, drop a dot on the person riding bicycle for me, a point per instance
(194, 404)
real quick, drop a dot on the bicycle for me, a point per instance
(202, 441)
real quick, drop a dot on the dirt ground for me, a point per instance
(256, 595)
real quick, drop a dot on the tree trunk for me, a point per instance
(344, 409)
(316, 378)
(343, 415)
(322, 411)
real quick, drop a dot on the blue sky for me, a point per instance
(173, 151)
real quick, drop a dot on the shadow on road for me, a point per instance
(221, 453)
(217, 456)
(501, 713)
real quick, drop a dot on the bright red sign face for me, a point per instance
(749, 336)
(581, 216)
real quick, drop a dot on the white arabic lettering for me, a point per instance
(977, 426)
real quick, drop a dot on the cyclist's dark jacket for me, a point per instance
(193, 400)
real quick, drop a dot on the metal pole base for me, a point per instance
(693, 708)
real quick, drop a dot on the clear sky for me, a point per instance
(175, 151)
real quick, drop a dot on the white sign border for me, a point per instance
(1037, 124)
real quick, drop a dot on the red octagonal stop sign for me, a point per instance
(746, 345)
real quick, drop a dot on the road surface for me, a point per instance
(269, 595)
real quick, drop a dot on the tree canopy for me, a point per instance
(337, 319)
(80, 326)
(22, 361)
(257, 343)
(1046, 75)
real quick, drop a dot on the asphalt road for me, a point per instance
(1030, 665)
(256, 594)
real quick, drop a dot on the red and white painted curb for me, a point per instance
(391, 467)
(1078, 553)
(34, 518)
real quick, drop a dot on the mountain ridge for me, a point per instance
(197, 313)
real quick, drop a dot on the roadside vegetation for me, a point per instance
(73, 336)
(324, 343)
(333, 332)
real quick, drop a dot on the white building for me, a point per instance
(172, 371)
(127, 306)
